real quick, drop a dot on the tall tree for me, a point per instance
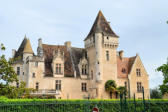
(7, 72)
(164, 70)
(8, 75)
(155, 93)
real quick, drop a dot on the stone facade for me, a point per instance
(77, 73)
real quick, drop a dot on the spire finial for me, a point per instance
(25, 36)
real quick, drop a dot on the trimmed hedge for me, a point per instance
(53, 105)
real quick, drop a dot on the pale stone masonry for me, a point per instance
(77, 73)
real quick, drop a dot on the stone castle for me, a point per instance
(77, 73)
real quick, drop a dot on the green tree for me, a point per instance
(7, 72)
(164, 70)
(155, 93)
(8, 76)
(121, 89)
(111, 87)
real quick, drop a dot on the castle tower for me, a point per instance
(101, 44)
(27, 49)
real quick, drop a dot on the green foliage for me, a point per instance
(110, 86)
(155, 94)
(164, 70)
(53, 105)
(121, 89)
(8, 75)
(7, 72)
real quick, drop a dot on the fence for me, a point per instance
(122, 105)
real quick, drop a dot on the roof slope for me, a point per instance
(77, 54)
(125, 63)
(101, 25)
(25, 47)
(48, 57)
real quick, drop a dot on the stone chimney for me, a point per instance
(40, 48)
(13, 53)
(121, 54)
(67, 44)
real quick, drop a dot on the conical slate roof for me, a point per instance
(101, 25)
(25, 47)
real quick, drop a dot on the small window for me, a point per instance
(107, 55)
(34, 75)
(139, 87)
(107, 38)
(36, 64)
(84, 87)
(91, 74)
(37, 86)
(58, 68)
(138, 72)
(58, 85)
(17, 84)
(84, 69)
(18, 70)
(123, 70)
(23, 73)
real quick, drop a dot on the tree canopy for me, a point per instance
(164, 69)
(8, 75)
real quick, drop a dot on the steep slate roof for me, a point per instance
(71, 58)
(48, 56)
(77, 54)
(101, 25)
(25, 47)
(124, 63)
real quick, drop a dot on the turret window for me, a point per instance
(17, 84)
(18, 70)
(91, 74)
(37, 86)
(34, 75)
(107, 55)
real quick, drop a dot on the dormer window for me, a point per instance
(123, 70)
(58, 68)
(84, 69)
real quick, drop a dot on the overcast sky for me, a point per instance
(141, 25)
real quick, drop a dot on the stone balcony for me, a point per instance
(46, 92)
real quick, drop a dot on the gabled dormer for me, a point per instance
(83, 67)
(58, 63)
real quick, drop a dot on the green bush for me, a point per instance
(54, 105)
